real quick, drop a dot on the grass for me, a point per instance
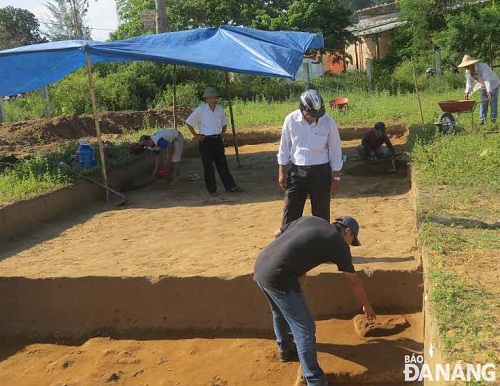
(41, 174)
(364, 109)
(458, 182)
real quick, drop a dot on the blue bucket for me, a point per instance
(85, 155)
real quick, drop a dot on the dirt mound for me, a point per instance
(30, 137)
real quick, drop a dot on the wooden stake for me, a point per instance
(232, 120)
(97, 125)
(175, 96)
(416, 89)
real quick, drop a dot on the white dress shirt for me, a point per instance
(209, 122)
(307, 144)
(167, 134)
(481, 77)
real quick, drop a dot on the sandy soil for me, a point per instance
(214, 361)
(180, 231)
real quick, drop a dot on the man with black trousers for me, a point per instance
(310, 140)
(298, 247)
(212, 123)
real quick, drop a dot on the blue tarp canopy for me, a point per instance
(227, 48)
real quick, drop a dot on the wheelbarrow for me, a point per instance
(338, 103)
(447, 122)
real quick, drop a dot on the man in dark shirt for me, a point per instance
(371, 145)
(298, 247)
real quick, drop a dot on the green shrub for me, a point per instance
(71, 94)
(31, 106)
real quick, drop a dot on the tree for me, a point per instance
(67, 20)
(328, 17)
(18, 27)
(475, 30)
(129, 16)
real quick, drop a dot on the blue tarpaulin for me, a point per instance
(227, 48)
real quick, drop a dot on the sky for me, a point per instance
(101, 17)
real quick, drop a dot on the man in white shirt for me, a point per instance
(169, 140)
(212, 123)
(481, 76)
(310, 141)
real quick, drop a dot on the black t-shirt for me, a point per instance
(304, 244)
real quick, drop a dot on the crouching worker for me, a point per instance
(298, 247)
(372, 148)
(165, 140)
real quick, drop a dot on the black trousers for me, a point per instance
(212, 152)
(302, 181)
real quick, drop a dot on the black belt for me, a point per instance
(309, 167)
(212, 136)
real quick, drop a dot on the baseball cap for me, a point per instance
(352, 224)
(143, 139)
(380, 126)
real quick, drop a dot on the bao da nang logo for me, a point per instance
(416, 369)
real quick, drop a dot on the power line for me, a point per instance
(95, 29)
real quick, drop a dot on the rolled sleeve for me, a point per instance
(284, 152)
(335, 148)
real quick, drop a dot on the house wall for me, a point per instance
(368, 48)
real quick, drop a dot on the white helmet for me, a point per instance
(312, 102)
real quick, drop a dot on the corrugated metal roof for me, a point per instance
(374, 29)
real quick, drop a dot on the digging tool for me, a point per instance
(65, 166)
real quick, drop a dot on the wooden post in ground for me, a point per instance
(97, 125)
(174, 81)
(416, 90)
(2, 110)
(231, 115)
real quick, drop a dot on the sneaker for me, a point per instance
(237, 189)
(289, 355)
(481, 123)
(214, 194)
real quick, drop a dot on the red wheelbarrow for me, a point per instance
(446, 122)
(338, 103)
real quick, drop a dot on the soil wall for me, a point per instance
(72, 307)
(19, 218)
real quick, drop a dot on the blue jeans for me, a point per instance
(291, 314)
(483, 110)
(382, 152)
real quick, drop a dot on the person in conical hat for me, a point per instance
(480, 76)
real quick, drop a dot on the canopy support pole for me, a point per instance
(233, 128)
(97, 125)
(2, 110)
(174, 81)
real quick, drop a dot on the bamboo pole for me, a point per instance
(416, 90)
(175, 96)
(233, 128)
(97, 125)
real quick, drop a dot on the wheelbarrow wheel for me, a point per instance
(446, 123)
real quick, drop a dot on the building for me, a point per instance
(375, 28)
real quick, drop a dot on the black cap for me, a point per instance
(380, 126)
(352, 224)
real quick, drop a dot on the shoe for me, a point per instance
(289, 355)
(481, 123)
(214, 194)
(237, 189)
(493, 121)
